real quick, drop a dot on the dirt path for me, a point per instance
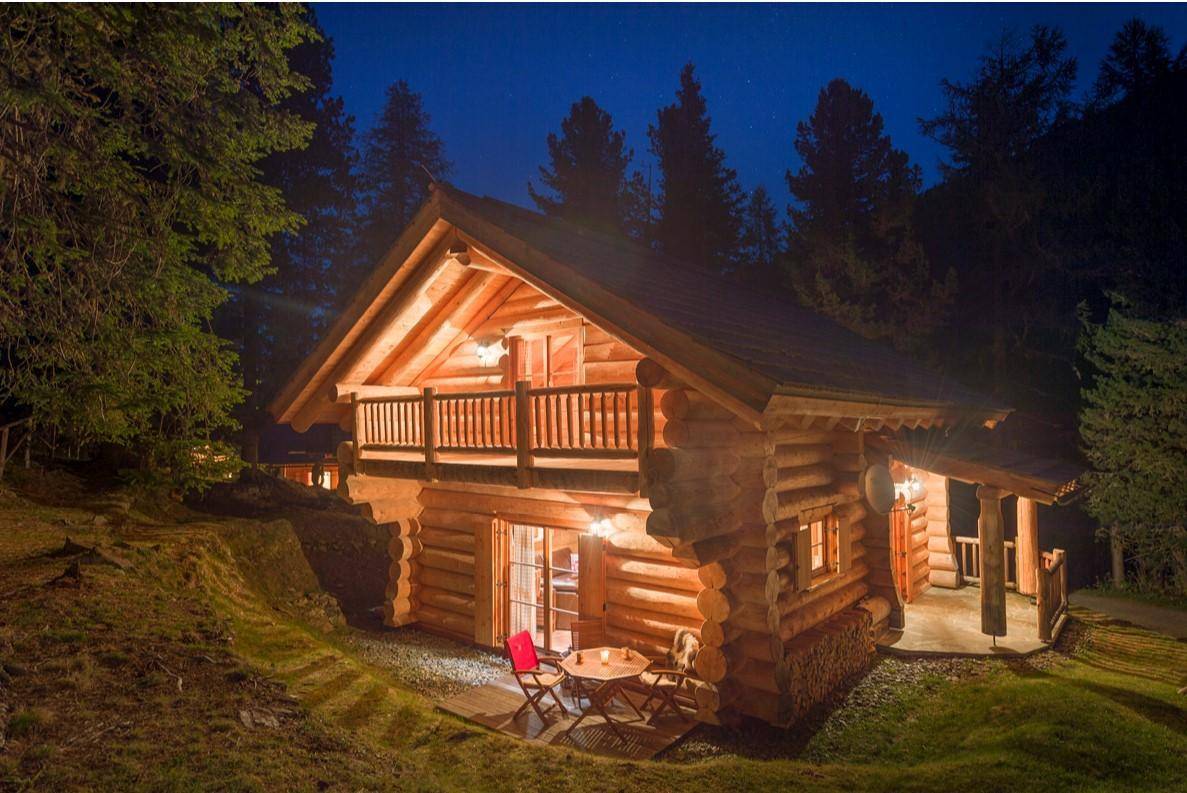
(1164, 619)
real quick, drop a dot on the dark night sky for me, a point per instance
(497, 78)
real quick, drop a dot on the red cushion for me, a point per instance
(522, 651)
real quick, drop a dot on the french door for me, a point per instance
(542, 584)
(900, 546)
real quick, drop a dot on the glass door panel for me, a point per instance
(525, 581)
(542, 584)
(563, 583)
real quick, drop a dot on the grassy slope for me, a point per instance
(101, 706)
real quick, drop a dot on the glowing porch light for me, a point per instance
(489, 354)
(601, 527)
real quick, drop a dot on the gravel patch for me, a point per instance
(431, 665)
(891, 682)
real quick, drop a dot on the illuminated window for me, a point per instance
(822, 546)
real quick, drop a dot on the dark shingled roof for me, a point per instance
(803, 352)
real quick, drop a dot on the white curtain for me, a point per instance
(525, 580)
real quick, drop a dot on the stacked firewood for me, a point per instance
(814, 663)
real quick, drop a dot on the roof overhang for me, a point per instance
(973, 461)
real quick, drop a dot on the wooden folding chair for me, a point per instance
(534, 681)
(670, 678)
(668, 687)
(587, 634)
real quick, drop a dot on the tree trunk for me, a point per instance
(1117, 557)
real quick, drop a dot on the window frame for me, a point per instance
(829, 529)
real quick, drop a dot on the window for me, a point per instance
(822, 546)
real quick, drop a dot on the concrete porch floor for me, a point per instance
(948, 622)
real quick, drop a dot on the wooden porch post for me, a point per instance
(523, 433)
(356, 411)
(991, 538)
(1027, 545)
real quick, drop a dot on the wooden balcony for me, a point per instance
(586, 437)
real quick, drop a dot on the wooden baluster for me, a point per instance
(630, 441)
(617, 434)
(568, 421)
(547, 421)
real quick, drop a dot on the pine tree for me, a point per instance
(852, 250)
(278, 321)
(1138, 56)
(992, 202)
(587, 174)
(137, 133)
(1134, 429)
(399, 154)
(699, 219)
(762, 240)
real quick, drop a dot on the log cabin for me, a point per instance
(560, 425)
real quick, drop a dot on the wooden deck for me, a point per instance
(948, 622)
(492, 705)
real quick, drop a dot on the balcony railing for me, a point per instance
(585, 422)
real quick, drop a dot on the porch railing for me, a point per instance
(604, 421)
(1051, 592)
(969, 554)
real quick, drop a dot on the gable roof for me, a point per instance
(739, 344)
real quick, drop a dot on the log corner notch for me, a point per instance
(705, 488)
(991, 538)
(392, 503)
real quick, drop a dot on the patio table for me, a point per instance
(610, 677)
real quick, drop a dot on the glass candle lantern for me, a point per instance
(605, 656)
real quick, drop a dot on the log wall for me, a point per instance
(648, 592)
(602, 357)
(731, 498)
(941, 557)
(393, 503)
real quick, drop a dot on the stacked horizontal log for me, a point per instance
(606, 358)
(705, 488)
(917, 526)
(447, 584)
(392, 503)
(941, 558)
(650, 594)
(879, 558)
(806, 475)
(458, 599)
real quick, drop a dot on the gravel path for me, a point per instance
(430, 665)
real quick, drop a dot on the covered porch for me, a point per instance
(991, 594)
(948, 622)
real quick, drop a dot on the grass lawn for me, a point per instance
(148, 679)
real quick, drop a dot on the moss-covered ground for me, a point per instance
(192, 670)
